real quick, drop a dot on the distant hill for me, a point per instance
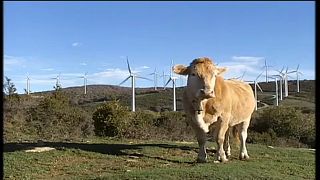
(161, 100)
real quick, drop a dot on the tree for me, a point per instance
(9, 87)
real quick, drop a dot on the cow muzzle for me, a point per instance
(206, 93)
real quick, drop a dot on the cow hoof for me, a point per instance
(243, 157)
(224, 160)
(216, 161)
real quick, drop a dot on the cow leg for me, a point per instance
(220, 141)
(227, 144)
(243, 138)
(202, 138)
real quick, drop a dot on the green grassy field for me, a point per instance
(137, 159)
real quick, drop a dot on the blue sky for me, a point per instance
(71, 38)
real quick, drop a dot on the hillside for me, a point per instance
(162, 100)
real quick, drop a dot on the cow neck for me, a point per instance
(218, 86)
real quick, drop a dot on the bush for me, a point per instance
(111, 119)
(55, 118)
(141, 125)
(287, 122)
(174, 126)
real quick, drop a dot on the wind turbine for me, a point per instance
(285, 75)
(297, 73)
(57, 80)
(155, 78)
(280, 80)
(164, 78)
(132, 76)
(276, 96)
(28, 84)
(241, 77)
(255, 88)
(281, 76)
(173, 79)
(84, 82)
(266, 66)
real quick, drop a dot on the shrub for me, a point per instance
(111, 119)
(55, 118)
(287, 122)
(141, 125)
(174, 126)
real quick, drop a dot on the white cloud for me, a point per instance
(248, 59)
(83, 64)
(238, 65)
(13, 62)
(144, 67)
(47, 69)
(253, 66)
(75, 44)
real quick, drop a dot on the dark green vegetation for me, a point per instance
(66, 115)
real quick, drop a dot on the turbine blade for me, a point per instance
(259, 87)
(128, 65)
(124, 80)
(298, 67)
(259, 75)
(143, 78)
(167, 82)
(281, 69)
(291, 72)
(243, 74)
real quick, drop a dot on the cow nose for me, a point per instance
(208, 93)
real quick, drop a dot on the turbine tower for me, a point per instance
(276, 95)
(173, 79)
(28, 84)
(84, 82)
(266, 66)
(281, 76)
(297, 73)
(280, 80)
(132, 76)
(286, 88)
(255, 88)
(155, 78)
(57, 80)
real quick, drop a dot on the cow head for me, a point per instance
(201, 76)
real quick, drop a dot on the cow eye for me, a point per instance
(193, 74)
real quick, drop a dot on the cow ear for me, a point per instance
(222, 70)
(181, 69)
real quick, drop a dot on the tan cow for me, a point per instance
(209, 98)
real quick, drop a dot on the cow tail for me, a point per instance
(236, 134)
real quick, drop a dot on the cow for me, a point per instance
(210, 99)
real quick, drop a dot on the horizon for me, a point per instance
(43, 39)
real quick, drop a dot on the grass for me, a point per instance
(136, 159)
